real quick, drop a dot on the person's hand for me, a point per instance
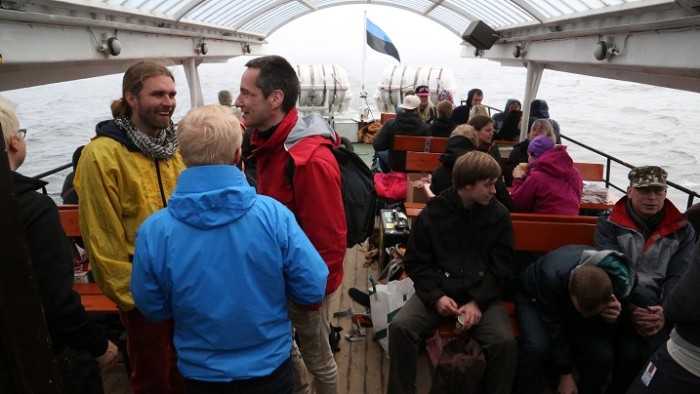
(648, 321)
(472, 314)
(109, 358)
(518, 172)
(446, 306)
(612, 310)
(567, 385)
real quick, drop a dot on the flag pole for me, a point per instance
(363, 93)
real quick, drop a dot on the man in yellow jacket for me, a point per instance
(126, 173)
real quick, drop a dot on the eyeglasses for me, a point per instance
(645, 191)
(22, 133)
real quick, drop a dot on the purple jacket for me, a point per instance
(552, 185)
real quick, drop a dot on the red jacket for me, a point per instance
(315, 199)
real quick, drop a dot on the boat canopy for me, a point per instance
(647, 41)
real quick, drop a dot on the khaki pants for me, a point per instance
(313, 328)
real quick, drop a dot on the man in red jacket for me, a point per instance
(290, 147)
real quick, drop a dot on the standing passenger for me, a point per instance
(126, 173)
(257, 260)
(459, 255)
(269, 91)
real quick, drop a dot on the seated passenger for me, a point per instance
(459, 254)
(443, 125)
(675, 367)
(221, 257)
(498, 118)
(484, 131)
(463, 140)
(70, 327)
(519, 153)
(540, 110)
(426, 109)
(550, 184)
(408, 122)
(460, 115)
(570, 300)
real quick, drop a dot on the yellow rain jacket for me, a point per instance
(118, 188)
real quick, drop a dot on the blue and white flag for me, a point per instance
(380, 42)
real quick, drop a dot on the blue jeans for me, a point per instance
(280, 381)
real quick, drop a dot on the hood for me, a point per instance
(211, 196)
(23, 184)
(310, 125)
(615, 264)
(109, 128)
(555, 162)
(539, 109)
(470, 96)
(509, 102)
(456, 147)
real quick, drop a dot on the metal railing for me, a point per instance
(609, 159)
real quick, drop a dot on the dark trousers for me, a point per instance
(669, 377)
(280, 381)
(591, 347)
(415, 322)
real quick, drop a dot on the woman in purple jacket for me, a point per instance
(550, 184)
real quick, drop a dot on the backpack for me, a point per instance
(357, 189)
(461, 366)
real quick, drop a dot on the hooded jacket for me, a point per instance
(460, 115)
(499, 117)
(540, 110)
(52, 264)
(682, 306)
(552, 185)
(119, 187)
(228, 295)
(466, 254)
(442, 176)
(547, 282)
(315, 197)
(659, 260)
(405, 123)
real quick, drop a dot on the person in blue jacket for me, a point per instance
(224, 263)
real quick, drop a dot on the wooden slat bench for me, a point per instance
(91, 295)
(410, 143)
(422, 161)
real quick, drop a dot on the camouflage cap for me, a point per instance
(648, 176)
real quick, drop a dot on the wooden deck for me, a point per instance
(362, 365)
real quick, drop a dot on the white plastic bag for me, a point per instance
(385, 304)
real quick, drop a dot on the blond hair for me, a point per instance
(478, 110)
(8, 119)
(209, 135)
(546, 126)
(444, 109)
(467, 131)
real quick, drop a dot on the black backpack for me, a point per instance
(357, 189)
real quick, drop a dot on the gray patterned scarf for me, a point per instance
(161, 147)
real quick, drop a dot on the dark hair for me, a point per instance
(277, 74)
(479, 122)
(133, 83)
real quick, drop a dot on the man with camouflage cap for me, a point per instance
(655, 235)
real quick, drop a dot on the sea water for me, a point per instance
(640, 124)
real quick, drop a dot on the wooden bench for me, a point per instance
(593, 172)
(91, 295)
(422, 161)
(410, 143)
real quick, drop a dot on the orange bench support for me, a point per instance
(91, 296)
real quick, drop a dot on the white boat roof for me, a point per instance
(46, 41)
